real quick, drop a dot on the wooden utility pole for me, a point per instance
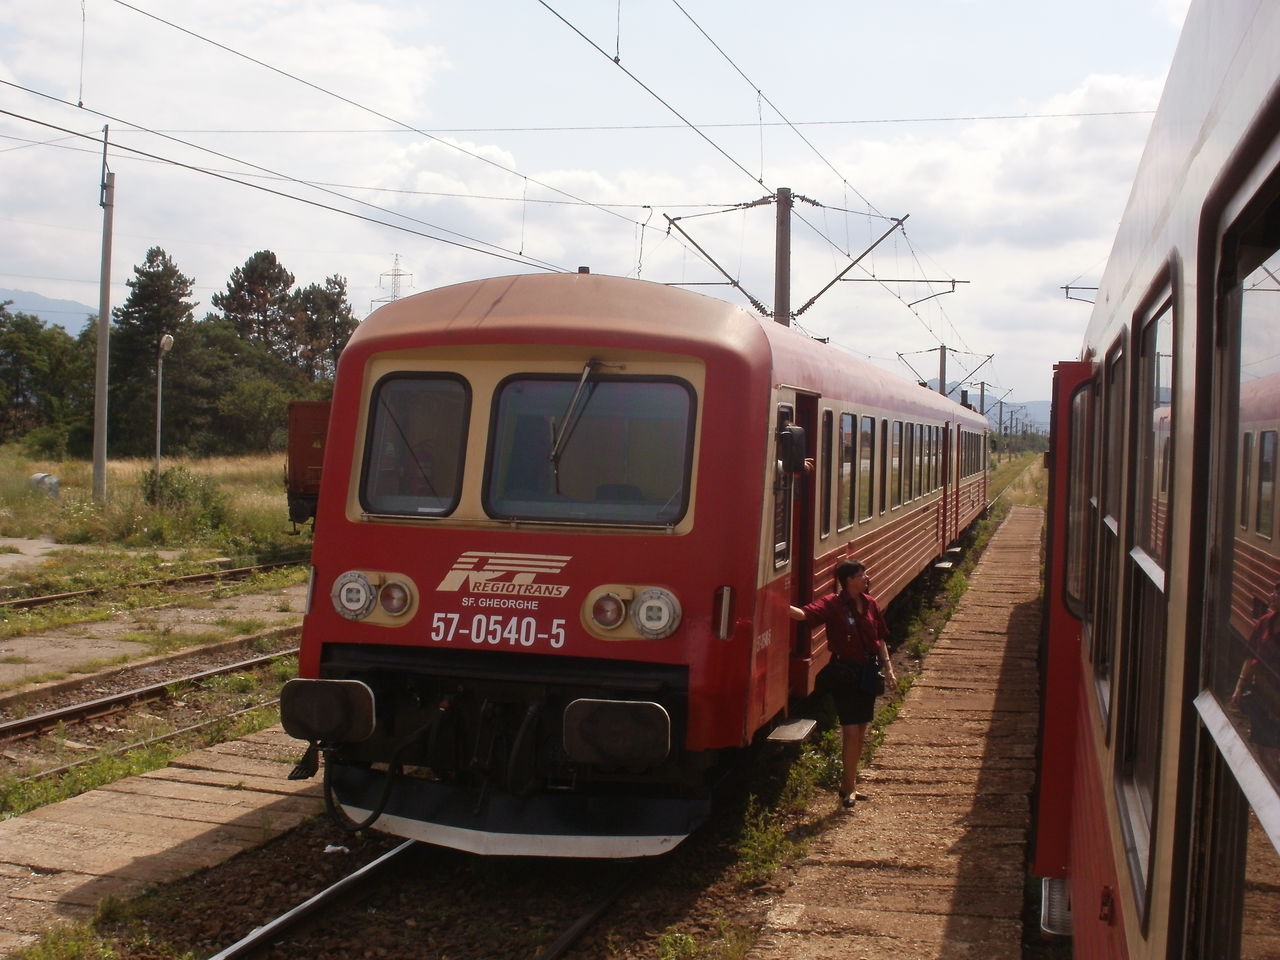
(106, 200)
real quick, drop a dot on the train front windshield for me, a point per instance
(591, 450)
(416, 441)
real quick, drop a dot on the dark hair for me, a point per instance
(846, 569)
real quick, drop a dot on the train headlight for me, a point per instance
(608, 611)
(353, 595)
(655, 613)
(394, 598)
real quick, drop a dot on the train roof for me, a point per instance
(638, 314)
(1223, 67)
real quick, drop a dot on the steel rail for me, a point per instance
(593, 913)
(103, 706)
(150, 742)
(273, 930)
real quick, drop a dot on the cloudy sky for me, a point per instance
(468, 139)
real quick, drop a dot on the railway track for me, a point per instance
(34, 747)
(236, 573)
(36, 724)
(363, 884)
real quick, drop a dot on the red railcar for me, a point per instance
(304, 457)
(1158, 802)
(561, 520)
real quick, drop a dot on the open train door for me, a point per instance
(1070, 475)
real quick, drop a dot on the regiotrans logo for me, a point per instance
(506, 574)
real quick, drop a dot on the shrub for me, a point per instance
(47, 443)
(195, 502)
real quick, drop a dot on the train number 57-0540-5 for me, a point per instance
(496, 630)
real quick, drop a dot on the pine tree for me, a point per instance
(156, 306)
(324, 322)
(258, 304)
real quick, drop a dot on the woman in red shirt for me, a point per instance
(856, 633)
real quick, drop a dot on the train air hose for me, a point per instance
(395, 769)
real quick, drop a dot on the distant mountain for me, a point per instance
(68, 314)
(1031, 413)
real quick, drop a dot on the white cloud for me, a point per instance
(1016, 206)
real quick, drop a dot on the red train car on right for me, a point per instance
(1157, 811)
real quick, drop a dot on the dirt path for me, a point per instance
(933, 865)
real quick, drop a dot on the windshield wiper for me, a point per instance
(572, 414)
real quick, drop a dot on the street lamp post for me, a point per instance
(165, 343)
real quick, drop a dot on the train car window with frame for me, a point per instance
(1265, 499)
(590, 449)
(1242, 599)
(937, 457)
(884, 465)
(848, 445)
(1155, 432)
(917, 461)
(931, 461)
(415, 445)
(1107, 543)
(904, 463)
(828, 467)
(1239, 813)
(1139, 701)
(895, 454)
(783, 488)
(1246, 475)
(1081, 502)
(866, 468)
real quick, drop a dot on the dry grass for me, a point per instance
(233, 503)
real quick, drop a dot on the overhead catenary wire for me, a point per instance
(760, 94)
(194, 146)
(649, 90)
(616, 59)
(313, 203)
(372, 111)
(711, 207)
(844, 180)
(640, 227)
(646, 127)
(408, 127)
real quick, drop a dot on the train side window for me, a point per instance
(937, 457)
(1246, 472)
(866, 466)
(1107, 542)
(895, 480)
(908, 462)
(918, 466)
(1080, 514)
(1139, 702)
(414, 445)
(1239, 706)
(928, 458)
(884, 464)
(848, 441)
(827, 467)
(1264, 516)
(1154, 431)
(782, 499)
